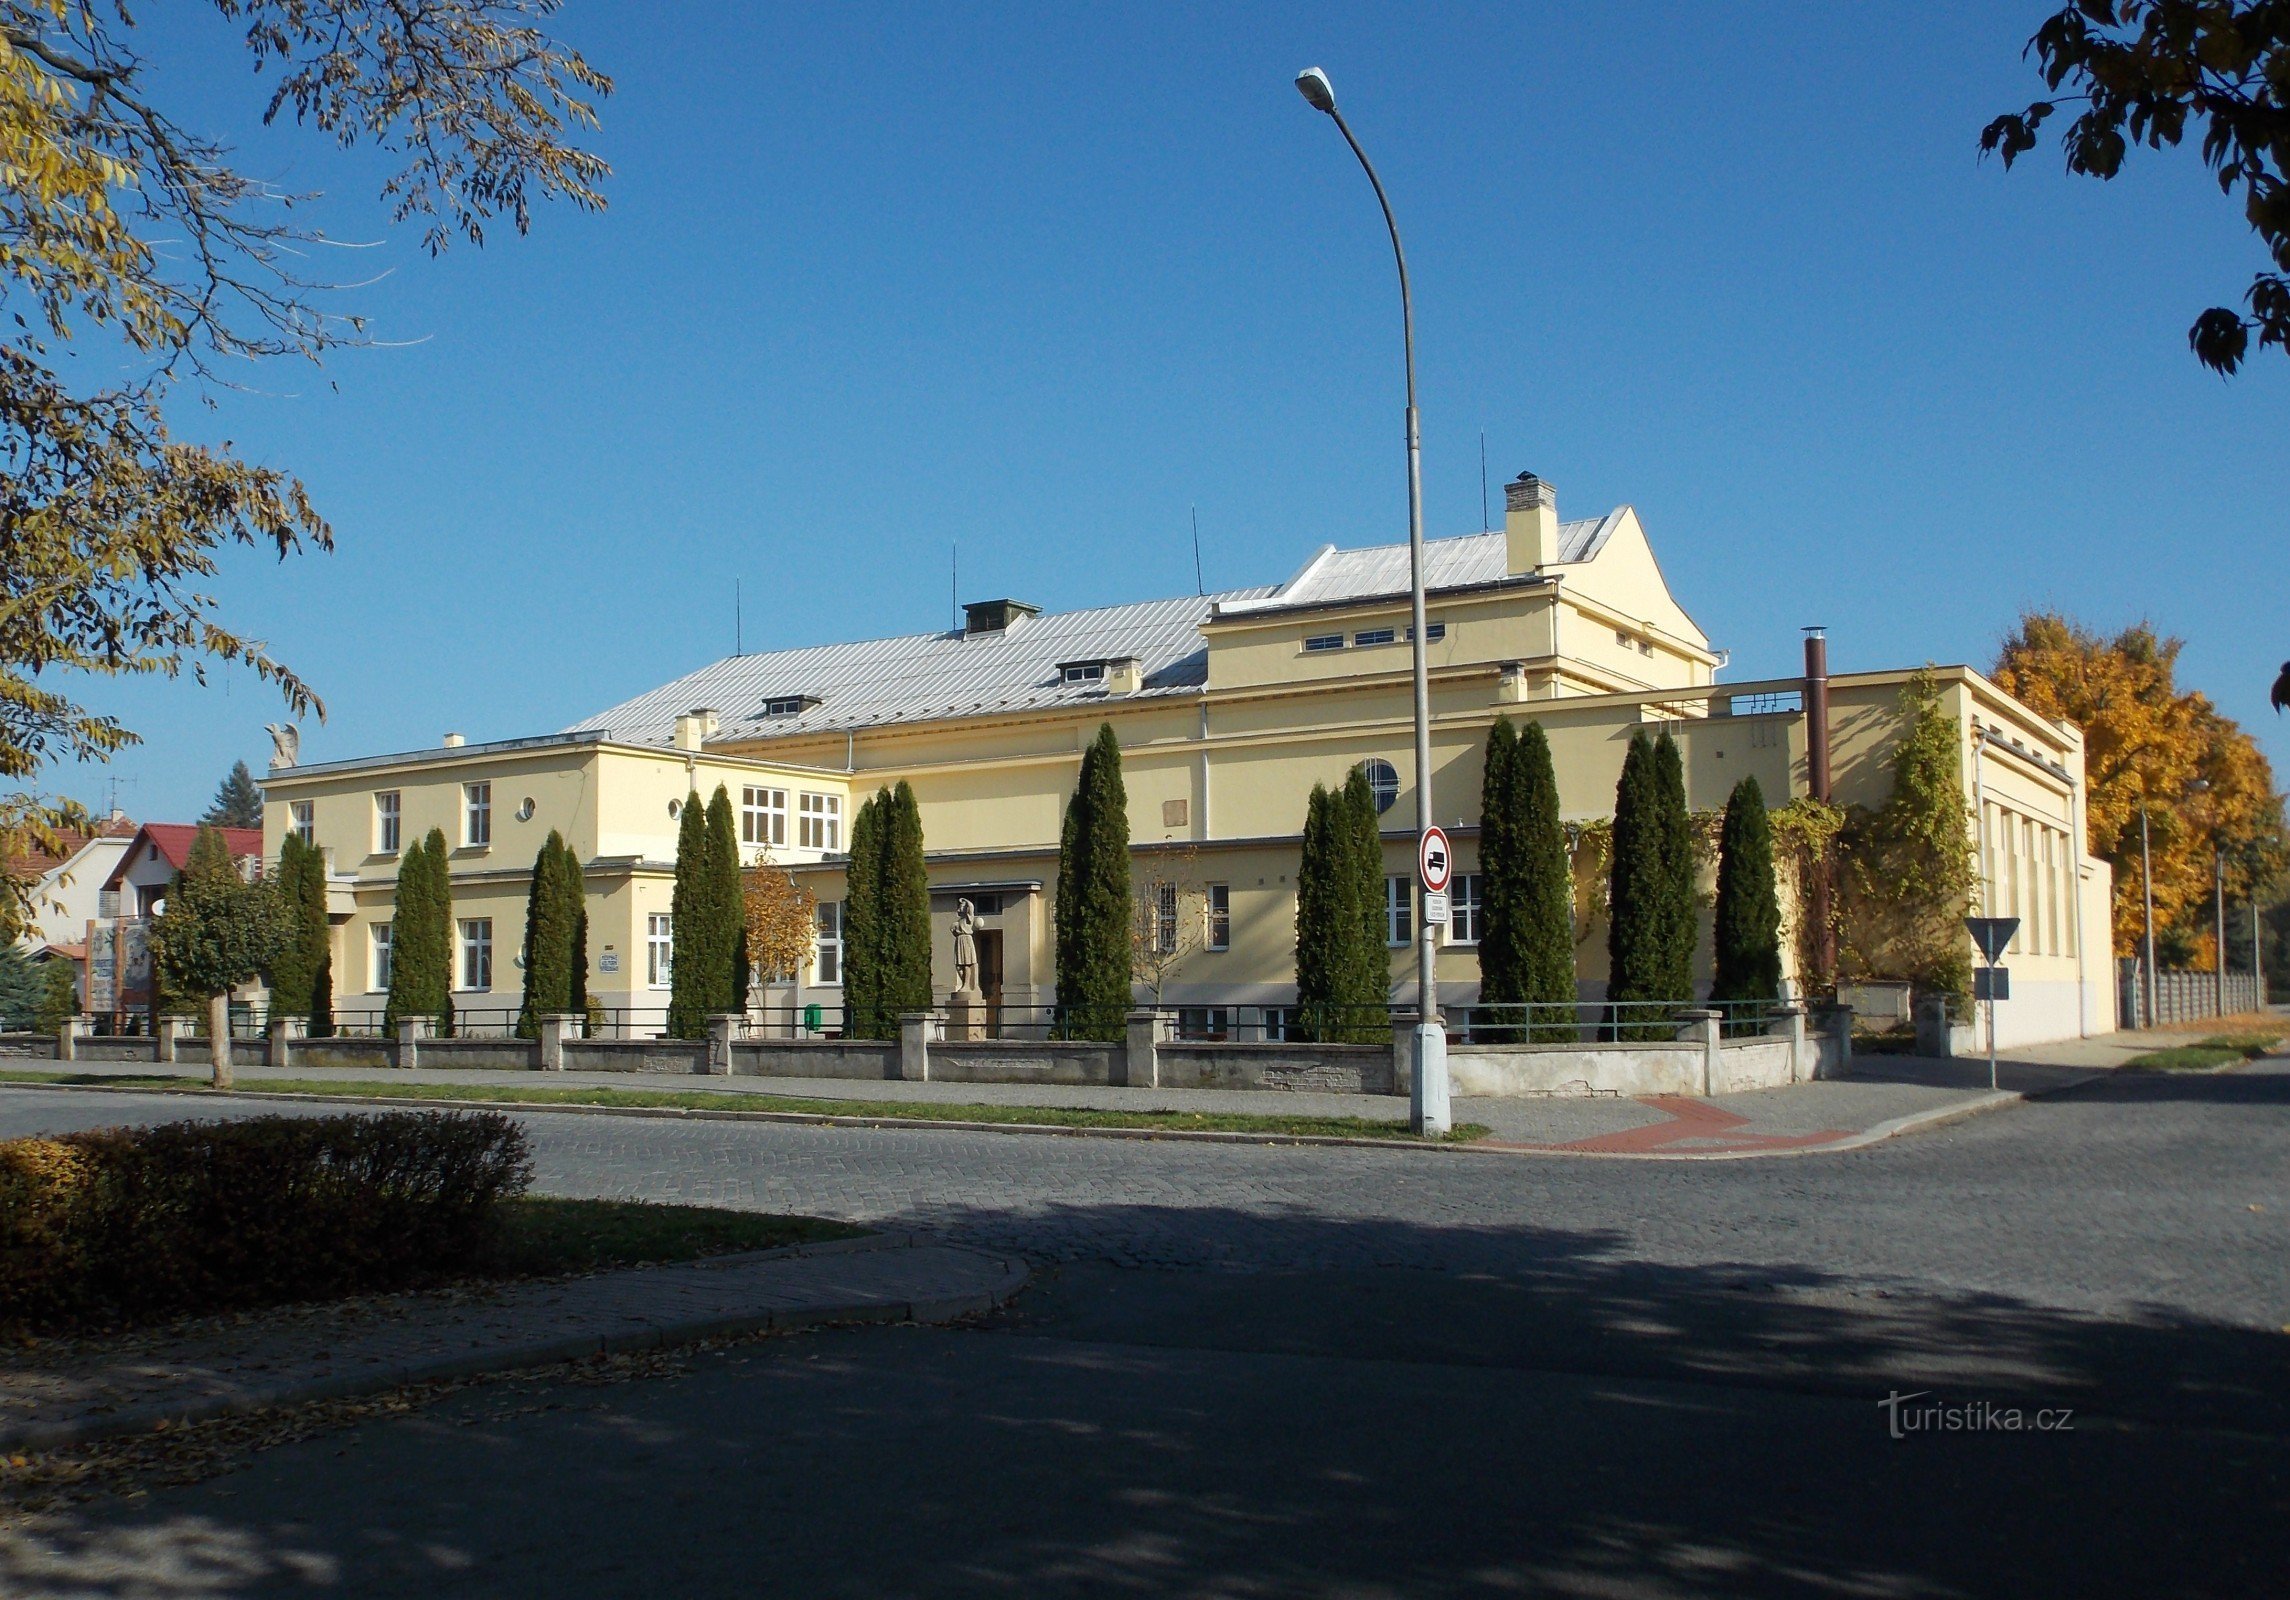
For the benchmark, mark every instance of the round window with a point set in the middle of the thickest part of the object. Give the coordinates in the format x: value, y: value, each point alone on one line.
x: 1383, y: 783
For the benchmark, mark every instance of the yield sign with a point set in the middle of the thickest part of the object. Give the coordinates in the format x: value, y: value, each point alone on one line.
x: 1991, y: 934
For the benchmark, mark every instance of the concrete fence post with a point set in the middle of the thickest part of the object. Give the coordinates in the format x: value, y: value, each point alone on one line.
x: 68, y: 1035
x: 723, y: 1028
x: 167, y: 1039
x: 914, y: 1046
x: 411, y: 1032
x: 283, y: 1031
x: 1704, y: 1028
x: 1789, y: 1023
x: 1934, y: 1036
x: 556, y: 1027
x: 1141, y: 1053
x: 1403, y: 1026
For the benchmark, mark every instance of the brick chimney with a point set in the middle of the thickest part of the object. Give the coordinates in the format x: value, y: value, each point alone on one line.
x: 1530, y: 524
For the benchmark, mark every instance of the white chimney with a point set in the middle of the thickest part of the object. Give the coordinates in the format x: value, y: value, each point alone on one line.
x: 694, y: 726
x: 454, y: 741
x: 1530, y: 524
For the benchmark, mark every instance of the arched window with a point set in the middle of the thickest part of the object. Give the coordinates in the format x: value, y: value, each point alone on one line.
x: 1383, y: 782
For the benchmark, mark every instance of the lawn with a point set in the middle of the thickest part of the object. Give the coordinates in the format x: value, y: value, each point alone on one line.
x: 2216, y: 1051
x: 728, y: 1100
x: 541, y: 1237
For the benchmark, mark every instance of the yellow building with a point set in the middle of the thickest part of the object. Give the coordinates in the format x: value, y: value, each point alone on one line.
x: 1228, y: 708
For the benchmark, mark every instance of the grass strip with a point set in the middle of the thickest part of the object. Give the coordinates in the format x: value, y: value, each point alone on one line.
x: 734, y: 1100
x: 2215, y: 1051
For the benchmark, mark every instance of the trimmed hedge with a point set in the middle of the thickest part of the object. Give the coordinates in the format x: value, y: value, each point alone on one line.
x: 127, y: 1223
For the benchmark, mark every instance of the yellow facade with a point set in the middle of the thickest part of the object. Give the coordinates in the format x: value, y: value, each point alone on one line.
x: 1217, y: 773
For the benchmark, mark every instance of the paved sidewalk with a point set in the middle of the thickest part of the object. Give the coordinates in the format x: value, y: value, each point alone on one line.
x: 63, y: 1391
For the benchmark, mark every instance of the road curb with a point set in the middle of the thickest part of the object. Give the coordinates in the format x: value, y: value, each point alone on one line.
x: 819, y: 1119
x: 1011, y: 1274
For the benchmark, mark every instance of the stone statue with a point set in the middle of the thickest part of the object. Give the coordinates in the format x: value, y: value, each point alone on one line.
x: 965, y: 947
x: 285, y: 744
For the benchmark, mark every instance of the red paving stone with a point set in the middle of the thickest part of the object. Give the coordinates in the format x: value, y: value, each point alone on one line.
x: 1695, y: 1126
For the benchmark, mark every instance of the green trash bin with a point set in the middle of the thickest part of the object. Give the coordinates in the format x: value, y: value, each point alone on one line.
x: 812, y: 1019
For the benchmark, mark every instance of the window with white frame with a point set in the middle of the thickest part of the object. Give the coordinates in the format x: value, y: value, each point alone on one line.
x: 819, y: 821
x: 476, y: 813
x: 1374, y: 636
x: 1399, y: 911
x: 305, y: 817
x: 1220, y: 916
x: 1463, y: 913
x: 477, y: 953
x: 762, y: 816
x: 659, y: 950
x: 1164, y: 919
x: 381, y: 958
x: 386, y: 822
x: 827, y: 965
x: 1324, y: 641
x: 1083, y: 672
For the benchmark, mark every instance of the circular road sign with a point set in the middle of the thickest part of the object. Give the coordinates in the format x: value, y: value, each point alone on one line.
x: 1434, y: 860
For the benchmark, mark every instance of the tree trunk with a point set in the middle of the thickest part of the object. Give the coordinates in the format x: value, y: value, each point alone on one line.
x: 219, y: 1036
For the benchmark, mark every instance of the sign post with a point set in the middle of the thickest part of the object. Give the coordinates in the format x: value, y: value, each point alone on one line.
x: 1992, y: 983
x: 1435, y: 869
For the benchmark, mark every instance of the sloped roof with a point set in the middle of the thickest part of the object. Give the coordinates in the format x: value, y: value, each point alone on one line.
x: 173, y: 841
x: 922, y: 677
x: 39, y: 863
x: 1337, y: 577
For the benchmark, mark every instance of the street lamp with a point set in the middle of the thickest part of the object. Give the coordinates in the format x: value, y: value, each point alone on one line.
x: 2147, y: 892
x: 1427, y: 1109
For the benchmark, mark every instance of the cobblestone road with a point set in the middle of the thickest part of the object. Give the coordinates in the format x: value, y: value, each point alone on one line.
x: 2164, y: 1194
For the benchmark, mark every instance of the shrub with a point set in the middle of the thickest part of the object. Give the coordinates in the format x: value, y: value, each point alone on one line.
x: 128, y: 1223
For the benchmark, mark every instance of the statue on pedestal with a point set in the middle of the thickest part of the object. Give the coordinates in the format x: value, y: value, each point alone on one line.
x: 965, y: 947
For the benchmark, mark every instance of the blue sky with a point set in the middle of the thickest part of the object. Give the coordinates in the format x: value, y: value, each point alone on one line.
x: 877, y: 281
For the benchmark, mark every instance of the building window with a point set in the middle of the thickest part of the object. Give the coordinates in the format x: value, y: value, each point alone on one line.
x: 1085, y: 672
x: 1203, y: 1022
x: 659, y: 950
x: 1399, y: 911
x: 381, y: 957
x: 1279, y: 1022
x: 476, y: 813
x: 305, y: 817
x: 1220, y: 916
x: 819, y: 821
x: 1383, y: 782
x: 783, y: 705
x: 1433, y: 632
x: 386, y: 822
x: 1164, y: 919
x: 1369, y: 636
x: 828, y: 965
x: 1324, y: 641
x: 477, y: 953
x: 1463, y: 909
x: 1622, y: 638
x: 763, y: 816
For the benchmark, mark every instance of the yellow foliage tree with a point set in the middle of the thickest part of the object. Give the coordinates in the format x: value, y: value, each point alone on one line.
x: 781, y: 922
x: 2203, y: 781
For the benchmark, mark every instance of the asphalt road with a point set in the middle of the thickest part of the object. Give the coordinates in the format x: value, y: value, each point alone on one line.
x: 1275, y: 1371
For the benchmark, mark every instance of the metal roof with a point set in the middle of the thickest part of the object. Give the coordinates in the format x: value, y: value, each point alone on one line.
x: 923, y: 677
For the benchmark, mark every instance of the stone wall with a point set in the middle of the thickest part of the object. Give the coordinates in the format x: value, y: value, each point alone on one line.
x: 1305, y: 1068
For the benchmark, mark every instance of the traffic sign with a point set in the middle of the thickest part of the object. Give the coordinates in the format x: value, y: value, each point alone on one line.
x: 1991, y: 983
x: 1991, y: 934
x: 1435, y: 908
x: 1434, y: 859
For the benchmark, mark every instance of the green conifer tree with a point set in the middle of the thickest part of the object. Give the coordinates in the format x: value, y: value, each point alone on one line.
x: 22, y: 984
x: 438, y: 946
x: 863, y: 947
x: 1093, y: 904
x: 1320, y: 919
x: 301, y: 880
x: 1679, y: 903
x: 551, y: 928
x: 1638, y: 889
x: 905, y: 908
x: 1502, y: 958
x: 695, y: 926
x: 58, y: 1000
x: 573, y: 891
x: 1747, y: 937
x: 1542, y: 888
x: 729, y: 899
x: 409, y: 994
x: 1366, y: 1015
x: 238, y: 801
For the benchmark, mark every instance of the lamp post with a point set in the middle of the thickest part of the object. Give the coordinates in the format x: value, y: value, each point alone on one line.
x: 2147, y: 892
x: 1427, y: 1108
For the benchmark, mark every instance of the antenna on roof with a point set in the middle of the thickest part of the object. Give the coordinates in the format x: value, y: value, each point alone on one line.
x: 1486, y: 523
x: 1198, y: 586
x: 739, y: 632
x: 954, y: 586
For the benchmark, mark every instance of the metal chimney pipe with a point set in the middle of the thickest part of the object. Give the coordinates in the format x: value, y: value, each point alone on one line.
x: 1817, y: 713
